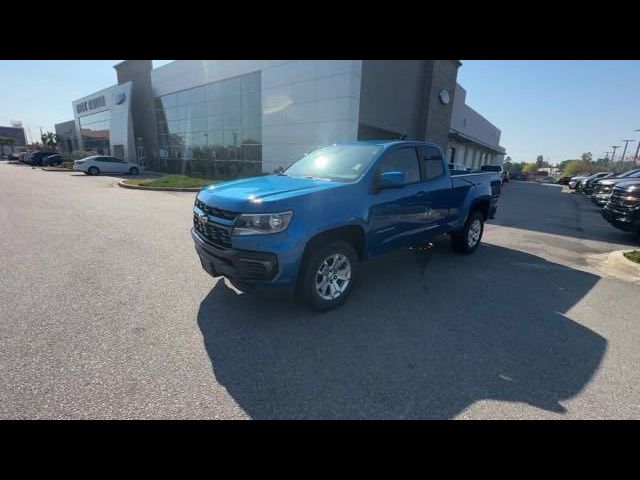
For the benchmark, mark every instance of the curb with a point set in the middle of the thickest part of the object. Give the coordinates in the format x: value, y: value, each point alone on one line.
x: 159, y: 189
x: 617, y: 265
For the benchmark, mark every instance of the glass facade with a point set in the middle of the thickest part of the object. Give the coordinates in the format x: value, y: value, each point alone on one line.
x: 213, y: 129
x: 94, y: 129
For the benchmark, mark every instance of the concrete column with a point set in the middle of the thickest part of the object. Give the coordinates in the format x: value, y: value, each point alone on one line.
x: 460, y: 153
x: 468, y: 156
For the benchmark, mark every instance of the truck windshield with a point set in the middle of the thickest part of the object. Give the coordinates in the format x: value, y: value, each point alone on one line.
x: 343, y: 163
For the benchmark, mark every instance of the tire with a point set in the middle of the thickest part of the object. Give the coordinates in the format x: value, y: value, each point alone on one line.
x: 466, y: 242
x: 134, y: 171
x: 322, y: 257
x: 93, y: 171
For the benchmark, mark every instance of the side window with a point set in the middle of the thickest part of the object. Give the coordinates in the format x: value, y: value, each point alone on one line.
x: 432, y: 161
x: 402, y: 160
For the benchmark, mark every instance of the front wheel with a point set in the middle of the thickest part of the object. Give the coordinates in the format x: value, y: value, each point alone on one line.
x: 93, y: 171
x: 328, y: 275
x: 134, y: 171
x: 467, y: 240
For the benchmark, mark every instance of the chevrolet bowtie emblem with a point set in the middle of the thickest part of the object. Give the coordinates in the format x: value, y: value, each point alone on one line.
x: 202, y: 219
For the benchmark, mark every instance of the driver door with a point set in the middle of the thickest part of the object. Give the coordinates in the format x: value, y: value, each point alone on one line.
x: 398, y: 216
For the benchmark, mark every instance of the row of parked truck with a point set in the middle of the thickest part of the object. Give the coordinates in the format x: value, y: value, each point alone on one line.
x: 618, y: 194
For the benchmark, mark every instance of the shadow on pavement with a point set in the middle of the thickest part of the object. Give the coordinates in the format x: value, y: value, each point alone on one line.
x: 424, y: 335
x: 549, y: 209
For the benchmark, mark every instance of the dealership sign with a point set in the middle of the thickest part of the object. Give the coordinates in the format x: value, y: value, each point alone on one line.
x: 91, y: 104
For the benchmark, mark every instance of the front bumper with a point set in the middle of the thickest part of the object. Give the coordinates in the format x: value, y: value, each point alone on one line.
x: 627, y: 221
x: 600, y: 199
x: 240, y: 266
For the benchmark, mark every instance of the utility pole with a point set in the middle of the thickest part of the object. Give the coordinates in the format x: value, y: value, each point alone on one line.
x: 615, y: 147
x: 626, y: 142
x: 635, y: 157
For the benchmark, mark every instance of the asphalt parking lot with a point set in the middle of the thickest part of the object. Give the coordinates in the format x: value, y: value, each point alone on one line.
x: 106, y: 313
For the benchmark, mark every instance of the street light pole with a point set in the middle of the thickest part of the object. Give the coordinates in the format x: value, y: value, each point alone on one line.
x: 626, y: 142
x: 635, y: 157
x: 615, y: 147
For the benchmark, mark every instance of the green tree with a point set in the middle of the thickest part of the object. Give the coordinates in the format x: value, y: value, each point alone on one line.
x: 587, y: 157
x: 576, y: 167
x: 530, y: 167
x: 507, y: 164
x: 563, y: 164
x: 49, y: 139
x: 540, y: 161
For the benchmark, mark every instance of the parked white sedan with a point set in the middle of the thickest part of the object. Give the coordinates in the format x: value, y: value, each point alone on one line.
x: 97, y: 164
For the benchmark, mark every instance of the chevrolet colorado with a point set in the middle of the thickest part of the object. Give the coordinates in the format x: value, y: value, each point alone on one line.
x: 307, y: 228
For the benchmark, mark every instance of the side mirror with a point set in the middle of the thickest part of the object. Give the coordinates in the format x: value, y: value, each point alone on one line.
x: 391, y: 180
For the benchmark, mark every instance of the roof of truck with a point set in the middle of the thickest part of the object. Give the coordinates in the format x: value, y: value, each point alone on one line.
x: 389, y: 143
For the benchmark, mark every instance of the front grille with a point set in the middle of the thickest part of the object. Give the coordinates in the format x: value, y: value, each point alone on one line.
x: 216, y: 212
x: 617, y: 200
x: 213, y: 233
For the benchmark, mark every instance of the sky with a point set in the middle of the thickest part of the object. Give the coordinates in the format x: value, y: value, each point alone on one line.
x: 558, y: 109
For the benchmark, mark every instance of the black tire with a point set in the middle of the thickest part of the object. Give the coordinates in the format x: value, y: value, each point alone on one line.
x: 134, y: 171
x: 310, y: 276
x: 93, y: 171
x: 461, y: 241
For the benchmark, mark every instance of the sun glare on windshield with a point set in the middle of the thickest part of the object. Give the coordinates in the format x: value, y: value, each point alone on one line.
x: 344, y: 163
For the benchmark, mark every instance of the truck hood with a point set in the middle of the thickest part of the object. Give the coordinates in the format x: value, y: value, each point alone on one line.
x: 258, y: 193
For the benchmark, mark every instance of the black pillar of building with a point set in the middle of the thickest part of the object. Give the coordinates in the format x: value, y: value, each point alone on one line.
x: 435, y: 115
x: 401, y: 99
x: 142, y: 106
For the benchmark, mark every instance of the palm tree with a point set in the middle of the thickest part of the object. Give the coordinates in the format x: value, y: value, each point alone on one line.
x: 49, y: 139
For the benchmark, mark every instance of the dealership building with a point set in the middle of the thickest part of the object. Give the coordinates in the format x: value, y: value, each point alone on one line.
x: 221, y: 117
x: 15, y: 133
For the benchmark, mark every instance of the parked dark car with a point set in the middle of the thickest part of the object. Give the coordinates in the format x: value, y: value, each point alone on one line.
x: 586, y: 186
x: 55, y: 159
x: 603, y: 188
x: 623, y: 208
x: 564, y: 180
x: 580, y: 184
x: 36, y: 158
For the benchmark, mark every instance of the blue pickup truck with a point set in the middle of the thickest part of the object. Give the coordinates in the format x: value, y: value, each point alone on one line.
x: 307, y: 228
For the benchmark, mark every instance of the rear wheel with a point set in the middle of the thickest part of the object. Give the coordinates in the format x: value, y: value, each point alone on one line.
x: 328, y: 275
x: 467, y: 240
x: 134, y: 171
x: 93, y: 171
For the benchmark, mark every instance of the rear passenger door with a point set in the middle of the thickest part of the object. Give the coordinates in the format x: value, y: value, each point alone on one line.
x: 398, y: 215
x: 119, y: 166
x: 438, y: 189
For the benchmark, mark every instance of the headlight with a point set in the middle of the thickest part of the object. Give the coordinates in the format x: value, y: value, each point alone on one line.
x: 259, y: 223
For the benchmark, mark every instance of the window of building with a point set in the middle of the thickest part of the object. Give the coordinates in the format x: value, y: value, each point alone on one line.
x: 452, y: 155
x: 94, y: 130
x: 220, y: 122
